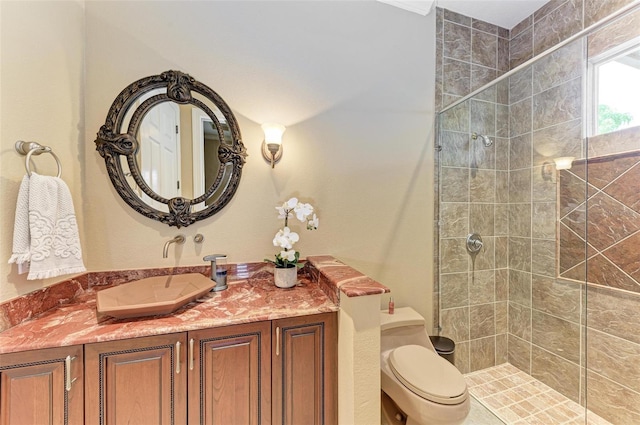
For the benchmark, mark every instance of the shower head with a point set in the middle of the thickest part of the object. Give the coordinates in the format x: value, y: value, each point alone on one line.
x: 486, y: 141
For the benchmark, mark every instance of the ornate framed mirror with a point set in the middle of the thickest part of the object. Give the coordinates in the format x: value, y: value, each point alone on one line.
x: 172, y: 148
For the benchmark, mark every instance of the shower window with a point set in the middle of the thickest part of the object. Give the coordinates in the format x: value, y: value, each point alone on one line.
x: 615, y: 91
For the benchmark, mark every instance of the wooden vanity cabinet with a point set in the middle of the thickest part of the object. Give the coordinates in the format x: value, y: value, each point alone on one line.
x: 281, y: 372
x: 304, y: 370
x: 136, y: 381
x: 230, y: 375
x: 42, y: 387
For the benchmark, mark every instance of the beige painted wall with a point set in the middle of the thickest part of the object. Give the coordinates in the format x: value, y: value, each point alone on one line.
x: 352, y: 81
x: 41, y: 98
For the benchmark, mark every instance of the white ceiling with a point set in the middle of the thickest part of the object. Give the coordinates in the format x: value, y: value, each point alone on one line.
x: 504, y: 13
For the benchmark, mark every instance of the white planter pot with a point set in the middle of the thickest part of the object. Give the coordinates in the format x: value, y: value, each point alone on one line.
x: 286, y: 278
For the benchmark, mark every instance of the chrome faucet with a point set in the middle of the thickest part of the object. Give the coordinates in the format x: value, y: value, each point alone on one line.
x: 178, y: 240
x: 218, y: 271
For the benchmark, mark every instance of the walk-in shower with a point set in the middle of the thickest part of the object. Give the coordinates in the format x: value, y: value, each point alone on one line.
x: 553, y: 288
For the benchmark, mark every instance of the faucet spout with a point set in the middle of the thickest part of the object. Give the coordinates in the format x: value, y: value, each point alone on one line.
x: 177, y: 240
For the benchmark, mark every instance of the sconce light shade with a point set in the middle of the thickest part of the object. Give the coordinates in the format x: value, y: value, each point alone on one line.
x: 272, y: 144
x: 564, y: 162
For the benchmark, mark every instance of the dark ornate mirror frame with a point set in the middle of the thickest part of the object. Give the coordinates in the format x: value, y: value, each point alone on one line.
x: 111, y: 144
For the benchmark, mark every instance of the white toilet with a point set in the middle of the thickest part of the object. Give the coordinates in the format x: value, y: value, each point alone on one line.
x: 418, y: 386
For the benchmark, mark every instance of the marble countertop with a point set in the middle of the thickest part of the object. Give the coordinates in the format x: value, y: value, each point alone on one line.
x: 247, y: 300
x: 65, y: 313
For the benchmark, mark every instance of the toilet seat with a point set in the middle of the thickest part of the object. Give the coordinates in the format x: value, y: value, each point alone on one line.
x: 426, y: 374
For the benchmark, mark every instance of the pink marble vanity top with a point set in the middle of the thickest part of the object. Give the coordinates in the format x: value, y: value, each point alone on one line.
x: 66, y: 313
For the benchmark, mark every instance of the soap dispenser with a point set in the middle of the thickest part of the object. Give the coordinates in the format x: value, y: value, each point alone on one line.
x: 218, y: 271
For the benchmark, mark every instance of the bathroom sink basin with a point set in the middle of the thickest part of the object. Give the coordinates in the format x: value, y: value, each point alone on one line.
x: 153, y: 295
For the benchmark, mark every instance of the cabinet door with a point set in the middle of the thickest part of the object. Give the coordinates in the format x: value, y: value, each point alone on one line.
x: 230, y: 375
x: 42, y: 387
x: 136, y: 381
x: 304, y: 384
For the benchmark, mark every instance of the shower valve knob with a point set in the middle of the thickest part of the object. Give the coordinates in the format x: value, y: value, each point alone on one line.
x: 474, y: 243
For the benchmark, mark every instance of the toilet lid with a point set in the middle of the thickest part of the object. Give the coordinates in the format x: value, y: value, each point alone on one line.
x: 428, y: 375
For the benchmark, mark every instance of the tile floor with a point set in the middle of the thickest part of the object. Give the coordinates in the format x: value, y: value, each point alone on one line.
x: 518, y: 399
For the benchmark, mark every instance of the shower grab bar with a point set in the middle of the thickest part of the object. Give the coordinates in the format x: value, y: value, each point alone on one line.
x: 34, y: 148
x: 631, y: 7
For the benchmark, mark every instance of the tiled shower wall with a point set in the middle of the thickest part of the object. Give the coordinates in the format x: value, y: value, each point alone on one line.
x: 516, y: 294
x: 473, y: 299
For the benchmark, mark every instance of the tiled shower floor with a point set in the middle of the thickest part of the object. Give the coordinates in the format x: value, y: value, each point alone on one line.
x: 518, y: 399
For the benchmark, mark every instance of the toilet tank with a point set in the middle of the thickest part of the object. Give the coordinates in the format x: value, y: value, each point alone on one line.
x: 404, y: 316
x: 406, y: 326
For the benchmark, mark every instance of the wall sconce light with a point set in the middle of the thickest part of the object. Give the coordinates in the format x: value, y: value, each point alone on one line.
x: 272, y: 144
x: 547, y: 171
x: 564, y: 162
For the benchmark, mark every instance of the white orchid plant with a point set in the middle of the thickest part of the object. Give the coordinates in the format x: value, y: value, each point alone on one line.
x: 285, y: 238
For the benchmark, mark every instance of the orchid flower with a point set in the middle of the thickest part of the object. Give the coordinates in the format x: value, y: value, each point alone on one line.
x: 288, y: 255
x: 303, y: 211
x: 313, y: 223
x: 285, y: 238
x: 286, y: 208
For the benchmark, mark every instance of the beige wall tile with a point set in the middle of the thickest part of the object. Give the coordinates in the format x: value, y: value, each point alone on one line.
x: 614, y: 312
x: 520, y: 186
x: 453, y: 255
x: 481, y: 217
x: 455, y: 149
x: 559, y: 104
x: 482, y: 287
x: 560, y: 298
x: 454, y: 184
x: 454, y: 217
x: 454, y: 290
x: 502, y: 321
x: 520, y: 287
x: 520, y: 321
x: 560, y: 66
x: 520, y: 85
x: 502, y: 355
x: 455, y: 323
x: 556, y: 335
x: 457, y: 77
x: 520, y: 120
x: 481, y: 321
x: 519, y: 353
x: 462, y: 355
x: 520, y: 152
x: 557, y: 26
x: 520, y: 220
x: 611, y: 401
x: 482, y: 186
x: 457, y: 41
x: 558, y: 373
x: 520, y: 47
x: 614, y: 358
x: 520, y: 254
x: 484, y: 49
x: 482, y: 353
x: 543, y: 257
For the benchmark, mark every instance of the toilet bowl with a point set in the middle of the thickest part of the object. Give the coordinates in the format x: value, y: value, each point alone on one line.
x: 422, y: 387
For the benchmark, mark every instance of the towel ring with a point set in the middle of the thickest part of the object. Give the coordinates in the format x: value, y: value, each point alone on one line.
x: 34, y: 148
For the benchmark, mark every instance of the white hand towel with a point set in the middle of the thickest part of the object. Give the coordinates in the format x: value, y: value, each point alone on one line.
x: 45, y: 230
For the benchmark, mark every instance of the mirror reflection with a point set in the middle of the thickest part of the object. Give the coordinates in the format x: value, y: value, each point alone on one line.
x: 179, y: 149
